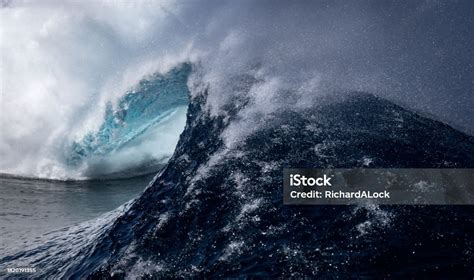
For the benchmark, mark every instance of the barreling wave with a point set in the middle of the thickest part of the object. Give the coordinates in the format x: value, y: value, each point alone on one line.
x: 139, y: 135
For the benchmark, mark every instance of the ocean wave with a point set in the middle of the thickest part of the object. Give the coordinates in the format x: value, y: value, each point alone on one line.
x: 272, y: 86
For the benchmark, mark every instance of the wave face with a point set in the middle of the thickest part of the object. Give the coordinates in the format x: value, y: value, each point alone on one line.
x: 140, y: 133
x: 216, y: 210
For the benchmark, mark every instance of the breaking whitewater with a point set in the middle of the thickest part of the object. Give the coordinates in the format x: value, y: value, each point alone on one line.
x: 216, y: 208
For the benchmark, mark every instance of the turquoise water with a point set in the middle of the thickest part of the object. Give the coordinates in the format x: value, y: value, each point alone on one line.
x: 154, y: 110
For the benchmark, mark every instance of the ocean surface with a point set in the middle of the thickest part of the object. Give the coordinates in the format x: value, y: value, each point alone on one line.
x: 31, y: 208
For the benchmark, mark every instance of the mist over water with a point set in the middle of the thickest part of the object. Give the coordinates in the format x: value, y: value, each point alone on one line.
x: 63, y: 62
